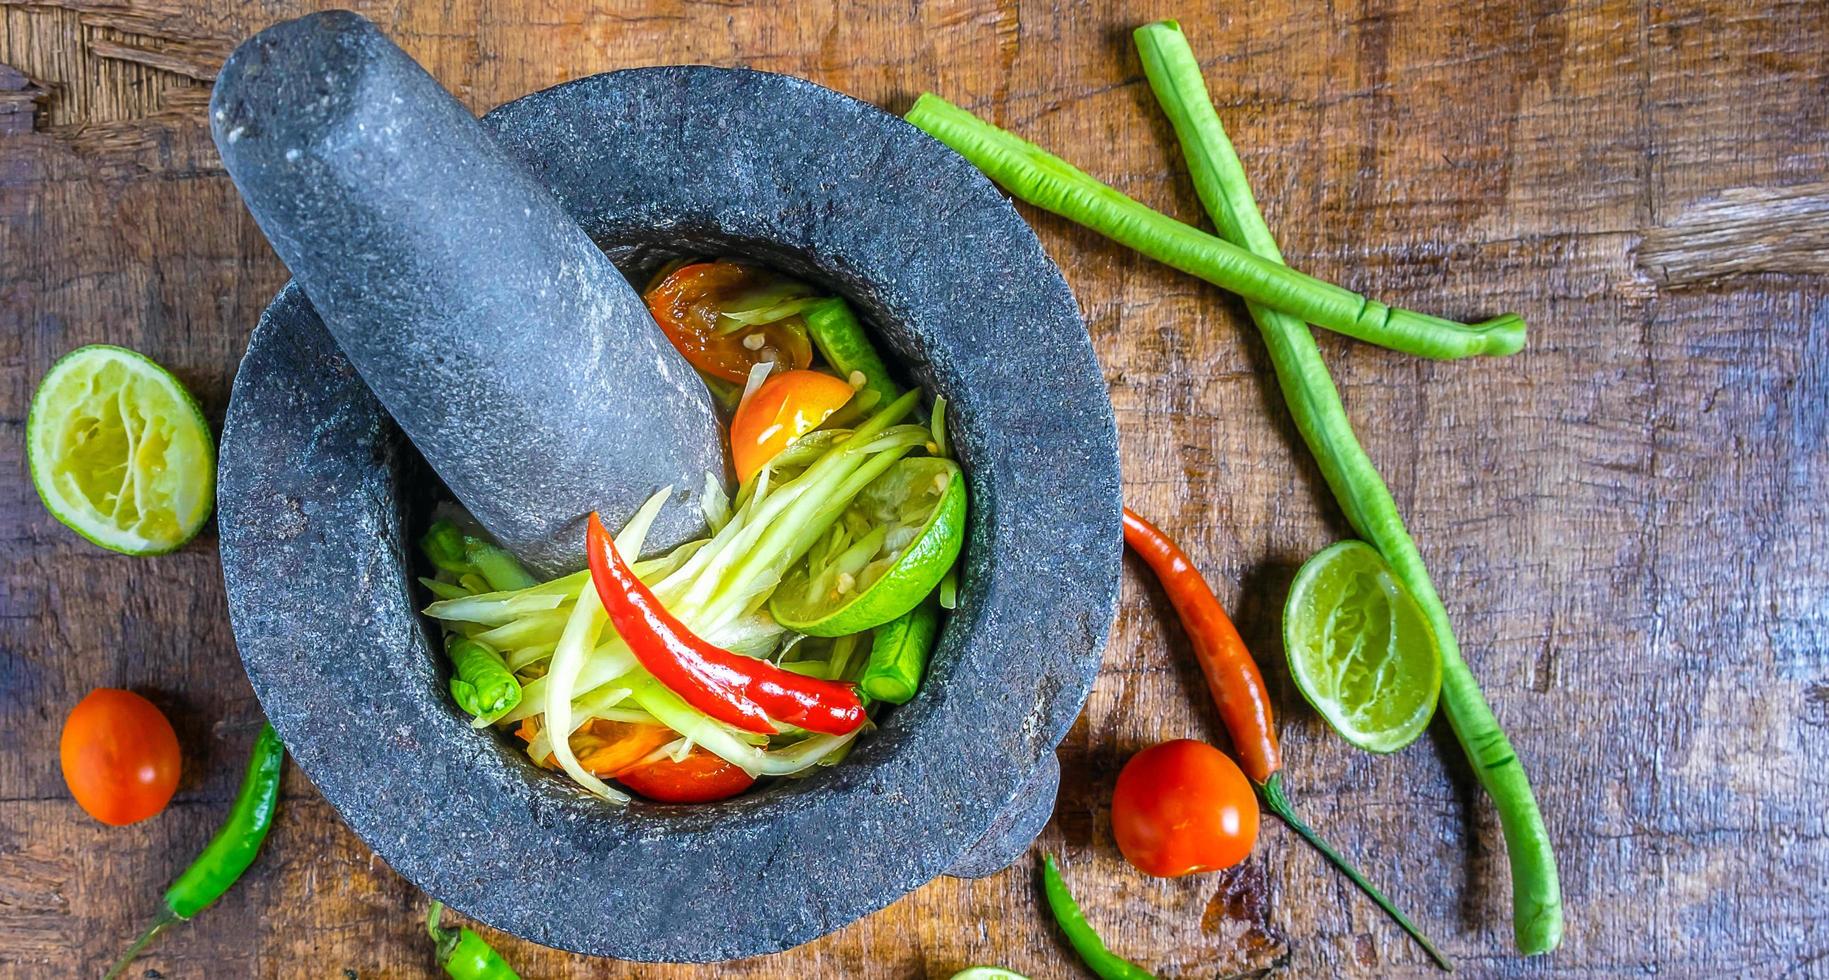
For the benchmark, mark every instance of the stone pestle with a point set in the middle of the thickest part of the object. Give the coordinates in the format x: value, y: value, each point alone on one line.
x: 505, y: 344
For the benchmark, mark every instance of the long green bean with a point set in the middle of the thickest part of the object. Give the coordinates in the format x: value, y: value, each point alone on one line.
x: 898, y: 654
x: 841, y: 340
x: 1050, y: 183
x: 1314, y: 402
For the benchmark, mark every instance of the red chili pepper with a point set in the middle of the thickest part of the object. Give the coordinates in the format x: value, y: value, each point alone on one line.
x: 1232, y: 676
x: 1244, y: 703
x: 730, y: 687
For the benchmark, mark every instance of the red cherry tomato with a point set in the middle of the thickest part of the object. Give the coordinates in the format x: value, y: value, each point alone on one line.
x: 1182, y: 807
x: 687, y: 305
x: 787, y: 406
x: 699, y: 778
x: 120, y: 756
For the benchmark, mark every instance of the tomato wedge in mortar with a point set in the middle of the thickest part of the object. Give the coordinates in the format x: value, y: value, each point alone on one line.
x: 787, y: 406
x: 700, y: 777
x: 726, y: 318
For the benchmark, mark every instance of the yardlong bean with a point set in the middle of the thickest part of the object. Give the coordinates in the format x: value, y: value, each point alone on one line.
x: 1048, y: 182
x: 1314, y: 402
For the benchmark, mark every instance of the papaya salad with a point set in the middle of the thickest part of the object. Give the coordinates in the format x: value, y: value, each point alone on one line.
x: 765, y: 648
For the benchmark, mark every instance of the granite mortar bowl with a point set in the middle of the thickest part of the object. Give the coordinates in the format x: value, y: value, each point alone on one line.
x: 321, y: 498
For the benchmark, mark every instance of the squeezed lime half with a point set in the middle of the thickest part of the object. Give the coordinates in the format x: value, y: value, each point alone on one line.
x: 120, y: 452
x: 887, y: 553
x: 1360, y: 648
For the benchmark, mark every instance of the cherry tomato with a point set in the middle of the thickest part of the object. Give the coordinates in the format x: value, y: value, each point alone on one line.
x: 120, y: 756
x: 687, y: 305
x: 787, y: 406
x: 699, y: 778
x: 1182, y: 807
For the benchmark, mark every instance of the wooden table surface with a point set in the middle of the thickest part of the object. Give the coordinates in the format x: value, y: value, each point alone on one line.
x: 1626, y: 520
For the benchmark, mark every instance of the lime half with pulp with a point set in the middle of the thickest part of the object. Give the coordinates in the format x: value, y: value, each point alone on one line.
x: 883, y: 556
x: 119, y: 451
x: 1361, y: 649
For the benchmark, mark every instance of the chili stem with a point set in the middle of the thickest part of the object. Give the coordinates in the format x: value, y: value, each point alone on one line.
x: 1277, y: 802
x: 1314, y: 402
x: 1050, y: 183
x: 166, y: 918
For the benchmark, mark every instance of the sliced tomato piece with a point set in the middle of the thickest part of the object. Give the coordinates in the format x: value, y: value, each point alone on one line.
x: 698, y: 778
x: 689, y: 305
x: 787, y: 406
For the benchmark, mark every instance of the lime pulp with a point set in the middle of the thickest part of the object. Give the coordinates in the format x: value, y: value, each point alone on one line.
x: 887, y: 553
x: 1360, y: 648
x: 120, y: 452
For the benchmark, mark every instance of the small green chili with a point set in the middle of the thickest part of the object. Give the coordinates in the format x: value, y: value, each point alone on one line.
x: 464, y: 954
x: 481, y: 682
x: 443, y: 545
x: 230, y: 852
x: 1079, y: 932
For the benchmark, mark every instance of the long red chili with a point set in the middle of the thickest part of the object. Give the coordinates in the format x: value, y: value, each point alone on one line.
x: 1232, y: 676
x: 730, y: 687
x: 1244, y: 703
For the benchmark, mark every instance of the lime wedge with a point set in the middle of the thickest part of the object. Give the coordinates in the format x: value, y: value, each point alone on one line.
x: 987, y: 973
x: 887, y: 553
x: 1360, y: 649
x: 119, y: 451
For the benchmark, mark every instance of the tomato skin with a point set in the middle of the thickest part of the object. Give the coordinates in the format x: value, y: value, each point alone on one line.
x: 786, y: 406
x: 120, y: 756
x: 699, y: 778
x: 1183, y: 807
x: 686, y: 304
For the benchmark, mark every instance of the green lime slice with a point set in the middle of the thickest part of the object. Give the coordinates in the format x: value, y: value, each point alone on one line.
x: 987, y: 973
x: 887, y: 553
x: 1360, y: 649
x: 119, y: 451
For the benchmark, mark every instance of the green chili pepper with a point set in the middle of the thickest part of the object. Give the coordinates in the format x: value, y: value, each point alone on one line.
x: 497, y: 566
x: 898, y: 654
x: 1314, y: 404
x: 481, y: 682
x: 443, y: 544
x: 229, y: 853
x: 464, y: 954
x: 1085, y: 941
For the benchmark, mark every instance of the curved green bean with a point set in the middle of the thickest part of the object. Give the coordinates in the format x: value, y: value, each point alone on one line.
x: 898, y: 654
x: 1314, y: 402
x: 1050, y: 183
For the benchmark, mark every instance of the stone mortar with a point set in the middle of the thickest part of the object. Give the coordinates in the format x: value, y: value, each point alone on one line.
x: 320, y: 497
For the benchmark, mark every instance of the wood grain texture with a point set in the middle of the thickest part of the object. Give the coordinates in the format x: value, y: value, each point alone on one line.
x: 1626, y: 520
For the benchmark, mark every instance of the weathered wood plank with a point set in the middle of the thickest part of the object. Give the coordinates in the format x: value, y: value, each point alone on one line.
x: 1626, y: 520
